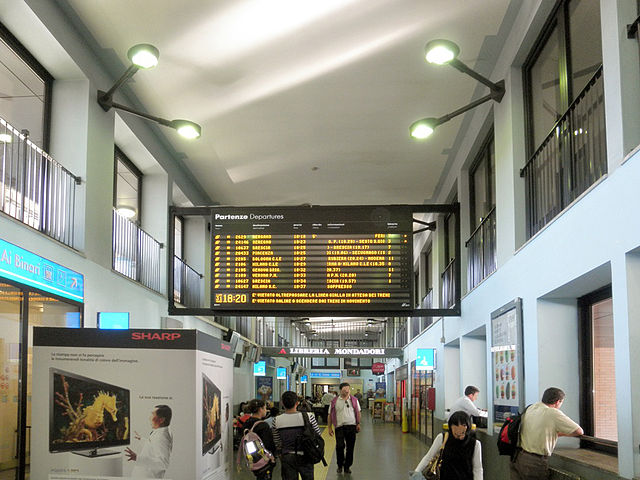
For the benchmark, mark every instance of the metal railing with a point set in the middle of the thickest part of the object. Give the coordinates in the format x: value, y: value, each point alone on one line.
x: 427, y: 302
x: 34, y: 188
x: 186, y: 284
x: 482, y: 250
x: 569, y: 160
x: 136, y: 254
x: 449, y: 285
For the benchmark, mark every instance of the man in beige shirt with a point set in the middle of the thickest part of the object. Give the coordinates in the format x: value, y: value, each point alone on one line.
x: 542, y: 424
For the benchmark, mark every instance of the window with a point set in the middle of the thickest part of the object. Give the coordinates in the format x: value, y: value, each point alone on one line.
x: 481, y: 246
x: 597, y: 372
x: 25, y: 91
x: 178, y: 238
x: 127, y: 187
x: 564, y: 100
x: 482, y: 184
x: 568, y: 54
x: 358, y: 361
x: 428, y: 281
x: 325, y: 362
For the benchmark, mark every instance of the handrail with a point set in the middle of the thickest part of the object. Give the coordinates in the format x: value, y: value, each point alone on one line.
x: 577, y: 100
x: 451, y: 262
x: 24, y: 136
x: 188, y: 266
x: 484, y: 220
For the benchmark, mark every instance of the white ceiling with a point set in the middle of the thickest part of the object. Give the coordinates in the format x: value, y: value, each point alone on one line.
x: 302, y: 101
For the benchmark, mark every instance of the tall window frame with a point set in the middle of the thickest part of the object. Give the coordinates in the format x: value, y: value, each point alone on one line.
x: 587, y: 357
x: 32, y: 63
x: 486, y: 159
x: 559, y: 23
x: 121, y: 159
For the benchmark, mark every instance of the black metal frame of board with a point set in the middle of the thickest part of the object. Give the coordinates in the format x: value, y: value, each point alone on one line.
x: 205, y: 212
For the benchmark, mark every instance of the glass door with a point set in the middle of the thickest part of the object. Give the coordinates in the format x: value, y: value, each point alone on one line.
x: 11, y: 299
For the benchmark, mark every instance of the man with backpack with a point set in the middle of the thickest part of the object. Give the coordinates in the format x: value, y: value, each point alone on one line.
x: 288, y: 428
x: 344, y: 415
x: 540, y: 427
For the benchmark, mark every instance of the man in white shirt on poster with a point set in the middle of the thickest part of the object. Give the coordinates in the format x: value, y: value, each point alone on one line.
x: 153, y: 459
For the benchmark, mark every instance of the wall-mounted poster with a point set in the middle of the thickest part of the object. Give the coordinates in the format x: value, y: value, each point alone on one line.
x: 130, y: 404
x: 264, y: 388
x: 507, y: 364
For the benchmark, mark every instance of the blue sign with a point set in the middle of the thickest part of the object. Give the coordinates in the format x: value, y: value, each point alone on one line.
x: 426, y: 359
x: 304, y: 379
x: 29, y: 269
x: 281, y: 373
x: 325, y: 374
x: 113, y: 320
x: 260, y: 369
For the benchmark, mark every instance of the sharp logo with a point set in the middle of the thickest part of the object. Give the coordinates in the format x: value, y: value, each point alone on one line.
x: 155, y: 336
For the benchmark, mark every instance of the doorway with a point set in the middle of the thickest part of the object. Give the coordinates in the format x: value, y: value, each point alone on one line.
x: 21, y: 309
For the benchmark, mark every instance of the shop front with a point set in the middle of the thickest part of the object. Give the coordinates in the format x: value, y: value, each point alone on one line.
x: 34, y: 292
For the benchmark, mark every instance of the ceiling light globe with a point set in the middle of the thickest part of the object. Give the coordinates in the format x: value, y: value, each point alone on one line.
x: 187, y: 129
x: 126, y: 211
x: 143, y: 55
x: 440, y: 52
x: 422, y: 128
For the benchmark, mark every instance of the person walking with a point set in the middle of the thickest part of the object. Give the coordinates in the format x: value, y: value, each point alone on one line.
x: 258, y: 411
x: 344, y: 415
x: 541, y: 425
x: 462, y: 453
x: 326, y: 401
x: 286, y: 429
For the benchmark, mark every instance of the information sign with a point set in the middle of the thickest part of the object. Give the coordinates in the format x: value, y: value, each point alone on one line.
x: 426, y: 359
x: 281, y: 373
x: 331, y: 258
x: 260, y: 369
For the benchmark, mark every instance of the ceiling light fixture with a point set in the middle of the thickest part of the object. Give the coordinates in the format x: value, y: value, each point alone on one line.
x: 126, y: 211
x: 5, y: 138
x: 445, y: 52
x: 144, y: 56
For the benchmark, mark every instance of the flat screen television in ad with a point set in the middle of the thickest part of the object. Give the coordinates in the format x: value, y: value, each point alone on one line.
x: 211, y: 412
x: 86, y: 415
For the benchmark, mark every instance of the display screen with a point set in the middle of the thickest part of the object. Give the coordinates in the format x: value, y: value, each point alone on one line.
x: 86, y: 414
x: 211, y: 412
x: 301, y: 258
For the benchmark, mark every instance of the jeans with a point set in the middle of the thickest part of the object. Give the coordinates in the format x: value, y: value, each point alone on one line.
x: 293, y: 464
x: 345, y: 437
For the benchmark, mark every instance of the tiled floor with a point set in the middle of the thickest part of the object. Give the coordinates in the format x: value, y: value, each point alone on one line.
x: 382, y: 452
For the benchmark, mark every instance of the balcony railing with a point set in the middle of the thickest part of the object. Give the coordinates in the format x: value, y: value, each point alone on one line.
x: 449, y: 285
x: 569, y: 160
x: 482, y: 250
x: 186, y: 284
x: 34, y: 188
x: 136, y: 254
x: 427, y: 302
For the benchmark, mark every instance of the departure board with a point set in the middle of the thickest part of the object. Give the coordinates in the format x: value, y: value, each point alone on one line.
x: 303, y: 258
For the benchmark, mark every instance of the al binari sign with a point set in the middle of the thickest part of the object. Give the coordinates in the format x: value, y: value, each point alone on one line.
x: 331, y: 352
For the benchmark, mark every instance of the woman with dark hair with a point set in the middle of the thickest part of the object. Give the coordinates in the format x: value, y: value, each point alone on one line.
x: 258, y: 411
x: 462, y: 453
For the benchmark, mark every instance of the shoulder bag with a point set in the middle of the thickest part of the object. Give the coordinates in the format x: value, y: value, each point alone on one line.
x: 432, y: 470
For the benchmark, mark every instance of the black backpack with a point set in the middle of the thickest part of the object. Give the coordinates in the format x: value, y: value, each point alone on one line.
x: 509, y: 435
x: 310, y: 443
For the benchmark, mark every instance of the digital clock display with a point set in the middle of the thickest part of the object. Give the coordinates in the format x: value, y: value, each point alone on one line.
x: 301, y: 258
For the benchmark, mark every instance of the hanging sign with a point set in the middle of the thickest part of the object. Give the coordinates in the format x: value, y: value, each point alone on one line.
x: 32, y: 270
x: 377, y: 368
x: 425, y: 359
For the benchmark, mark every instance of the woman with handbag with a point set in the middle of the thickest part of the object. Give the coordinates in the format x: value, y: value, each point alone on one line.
x: 454, y: 455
